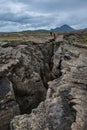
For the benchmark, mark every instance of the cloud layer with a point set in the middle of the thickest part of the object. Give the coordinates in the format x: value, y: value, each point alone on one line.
x: 18, y: 15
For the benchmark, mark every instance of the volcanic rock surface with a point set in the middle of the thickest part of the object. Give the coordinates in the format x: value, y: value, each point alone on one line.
x: 52, y: 76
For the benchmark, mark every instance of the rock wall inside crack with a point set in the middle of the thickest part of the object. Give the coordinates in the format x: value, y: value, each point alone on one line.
x: 65, y: 104
x: 27, y: 66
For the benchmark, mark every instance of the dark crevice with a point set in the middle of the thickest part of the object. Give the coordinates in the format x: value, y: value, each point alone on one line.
x: 51, y: 57
x: 43, y: 78
x: 73, y: 111
x: 29, y: 103
x: 59, y: 68
x: 46, y: 75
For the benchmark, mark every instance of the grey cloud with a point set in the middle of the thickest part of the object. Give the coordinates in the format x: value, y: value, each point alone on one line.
x: 55, y: 5
x: 34, y: 14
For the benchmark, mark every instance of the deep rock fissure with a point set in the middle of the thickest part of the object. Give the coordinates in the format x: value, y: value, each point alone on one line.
x: 57, y: 101
x: 45, y: 74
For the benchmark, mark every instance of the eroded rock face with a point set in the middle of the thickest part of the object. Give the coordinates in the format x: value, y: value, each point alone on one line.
x: 65, y: 104
x: 8, y: 106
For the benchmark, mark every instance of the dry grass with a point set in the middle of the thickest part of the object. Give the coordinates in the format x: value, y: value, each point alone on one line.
x: 25, y: 36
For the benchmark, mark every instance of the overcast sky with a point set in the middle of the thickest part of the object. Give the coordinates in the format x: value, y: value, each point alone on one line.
x: 18, y: 15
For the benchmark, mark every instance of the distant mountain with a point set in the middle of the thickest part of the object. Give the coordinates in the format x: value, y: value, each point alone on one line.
x: 63, y: 28
x: 58, y: 29
x: 85, y: 29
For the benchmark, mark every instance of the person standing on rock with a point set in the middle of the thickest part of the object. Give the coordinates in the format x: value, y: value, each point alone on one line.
x: 54, y: 35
